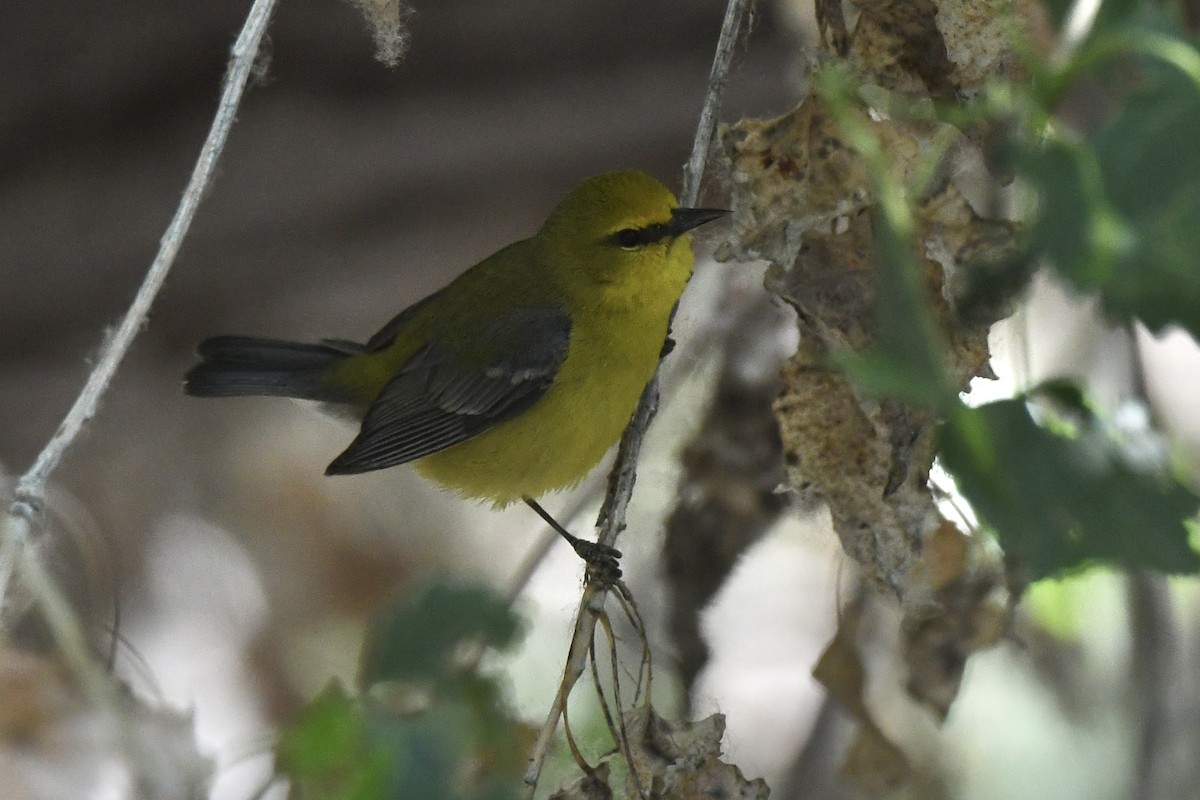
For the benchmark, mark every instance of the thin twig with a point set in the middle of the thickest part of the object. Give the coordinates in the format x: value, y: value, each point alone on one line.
x: 735, y: 14
x: 590, y: 604
x: 598, y: 685
x: 621, y: 734
x: 646, y: 666
x: 1153, y: 674
x: 1154, y: 654
x: 30, y: 494
x: 623, y: 475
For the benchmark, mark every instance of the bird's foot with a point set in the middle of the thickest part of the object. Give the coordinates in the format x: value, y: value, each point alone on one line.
x: 603, y: 562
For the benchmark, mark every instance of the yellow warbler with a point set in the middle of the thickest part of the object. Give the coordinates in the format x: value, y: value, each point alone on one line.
x: 518, y: 376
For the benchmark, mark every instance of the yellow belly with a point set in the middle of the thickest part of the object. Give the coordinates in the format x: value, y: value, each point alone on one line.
x: 556, y: 442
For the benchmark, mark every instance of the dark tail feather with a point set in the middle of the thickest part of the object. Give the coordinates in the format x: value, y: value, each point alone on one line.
x: 235, y: 366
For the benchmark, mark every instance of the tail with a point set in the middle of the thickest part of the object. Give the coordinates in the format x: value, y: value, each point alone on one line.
x: 236, y: 366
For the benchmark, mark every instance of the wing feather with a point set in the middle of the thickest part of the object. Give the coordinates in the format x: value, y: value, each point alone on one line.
x: 438, y: 400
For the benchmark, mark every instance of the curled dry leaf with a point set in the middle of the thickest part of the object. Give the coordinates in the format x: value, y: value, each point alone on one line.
x: 899, y: 46
x: 803, y: 200
x: 873, y: 762
x: 831, y: 25
x: 944, y: 49
x: 590, y: 786
x: 840, y: 669
x: 682, y: 760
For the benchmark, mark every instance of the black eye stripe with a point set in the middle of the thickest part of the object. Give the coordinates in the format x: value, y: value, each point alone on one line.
x: 628, y: 237
x: 639, y: 237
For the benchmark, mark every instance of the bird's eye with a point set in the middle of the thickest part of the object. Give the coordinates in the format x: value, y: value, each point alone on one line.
x: 628, y: 238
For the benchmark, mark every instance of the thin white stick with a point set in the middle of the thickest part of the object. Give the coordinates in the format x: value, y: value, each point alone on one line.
x: 591, y: 604
x: 623, y: 474
x: 1076, y: 27
x: 735, y: 13
x: 30, y: 493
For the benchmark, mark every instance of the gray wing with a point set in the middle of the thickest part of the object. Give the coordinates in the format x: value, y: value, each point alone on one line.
x: 436, y: 402
x: 387, y: 334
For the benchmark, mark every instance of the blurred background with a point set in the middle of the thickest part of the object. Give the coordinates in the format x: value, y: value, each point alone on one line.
x: 348, y: 191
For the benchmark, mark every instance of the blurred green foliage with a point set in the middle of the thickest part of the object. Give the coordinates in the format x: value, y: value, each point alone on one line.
x: 417, y: 641
x: 1116, y: 216
x: 425, y: 724
x: 1111, y: 12
x: 1058, y: 502
x: 328, y: 753
x: 905, y: 361
x: 1118, y: 209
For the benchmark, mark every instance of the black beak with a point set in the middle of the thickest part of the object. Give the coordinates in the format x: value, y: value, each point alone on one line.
x: 684, y: 219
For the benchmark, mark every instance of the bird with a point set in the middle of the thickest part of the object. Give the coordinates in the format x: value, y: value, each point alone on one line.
x: 514, y: 379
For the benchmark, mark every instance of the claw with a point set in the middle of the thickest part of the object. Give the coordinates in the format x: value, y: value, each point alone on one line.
x: 603, y: 562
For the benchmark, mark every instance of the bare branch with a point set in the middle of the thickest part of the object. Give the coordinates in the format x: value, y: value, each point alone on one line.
x: 30, y: 493
x: 624, y: 473
x: 735, y: 14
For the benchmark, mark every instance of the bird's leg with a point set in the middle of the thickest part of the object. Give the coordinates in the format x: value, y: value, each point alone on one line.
x: 602, y: 560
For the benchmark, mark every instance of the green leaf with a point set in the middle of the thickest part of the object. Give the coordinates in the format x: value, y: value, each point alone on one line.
x: 1150, y: 161
x: 1061, y: 230
x: 461, y: 747
x: 1118, y: 213
x: 905, y: 360
x: 427, y: 728
x: 884, y: 374
x: 906, y: 336
x: 1057, y: 503
x: 456, y: 750
x: 327, y: 753
x: 1066, y: 393
x: 416, y: 641
x: 906, y: 357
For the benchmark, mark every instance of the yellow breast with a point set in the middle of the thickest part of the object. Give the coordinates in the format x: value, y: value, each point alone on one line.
x: 595, y: 393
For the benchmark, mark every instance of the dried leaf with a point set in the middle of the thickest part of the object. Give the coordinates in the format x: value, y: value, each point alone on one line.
x: 943, y: 557
x: 840, y: 669
x: 682, y: 760
x: 831, y: 24
x: 874, y: 764
x: 897, y: 45
x: 803, y: 199
x: 593, y: 786
x: 978, y: 37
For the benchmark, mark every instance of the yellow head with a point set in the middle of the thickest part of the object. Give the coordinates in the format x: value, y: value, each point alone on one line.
x: 619, y: 237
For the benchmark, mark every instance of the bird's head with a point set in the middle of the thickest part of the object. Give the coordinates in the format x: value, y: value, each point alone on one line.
x: 625, y: 232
